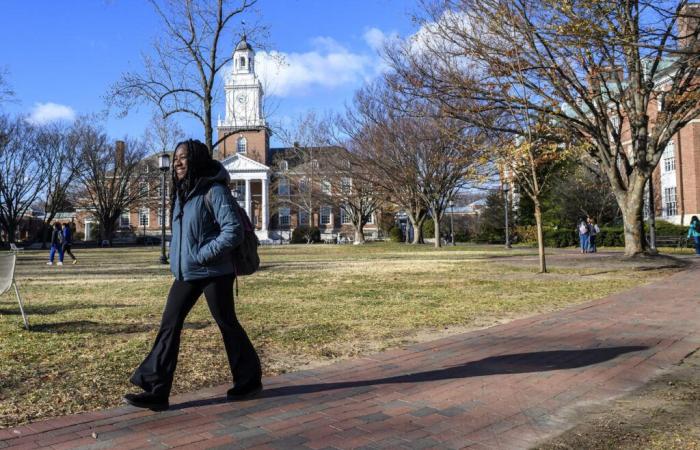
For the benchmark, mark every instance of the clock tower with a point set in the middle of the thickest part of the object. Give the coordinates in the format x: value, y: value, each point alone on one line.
x: 244, y: 126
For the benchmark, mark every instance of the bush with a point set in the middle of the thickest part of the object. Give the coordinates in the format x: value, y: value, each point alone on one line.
x: 664, y: 228
x: 305, y: 235
x: 610, y: 237
x: 395, y: 234
x: 429, y: 228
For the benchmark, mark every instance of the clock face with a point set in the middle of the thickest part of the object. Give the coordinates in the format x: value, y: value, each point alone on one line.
x: 242, y: 98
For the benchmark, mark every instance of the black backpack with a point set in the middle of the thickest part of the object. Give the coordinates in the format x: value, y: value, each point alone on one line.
x: 244, y: 257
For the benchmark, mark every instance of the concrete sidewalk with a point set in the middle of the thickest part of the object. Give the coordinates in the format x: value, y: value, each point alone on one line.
x: 509, y: 386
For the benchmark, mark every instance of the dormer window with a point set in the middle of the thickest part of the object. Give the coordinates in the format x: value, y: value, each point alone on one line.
x: 242, y: 145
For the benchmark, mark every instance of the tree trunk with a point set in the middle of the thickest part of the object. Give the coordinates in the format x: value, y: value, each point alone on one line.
x: 417, y: 230
x: 359, y: 235
x: 540, y: 237
x: 208, y: 130
x: 438, y: 240
x: 11, y: 229
x: 632, y: 204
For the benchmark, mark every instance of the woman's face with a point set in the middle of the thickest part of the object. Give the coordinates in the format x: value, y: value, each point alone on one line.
x: 180, y: 162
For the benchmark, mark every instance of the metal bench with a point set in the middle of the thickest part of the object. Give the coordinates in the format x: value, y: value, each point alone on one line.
x: 14, y: 248
x: 7, y: 280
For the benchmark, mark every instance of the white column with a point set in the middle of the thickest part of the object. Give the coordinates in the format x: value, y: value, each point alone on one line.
x: 265, y: 213
x: 247, y: 198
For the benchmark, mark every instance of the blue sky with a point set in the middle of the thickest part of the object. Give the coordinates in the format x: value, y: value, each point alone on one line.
x: 63, y: 55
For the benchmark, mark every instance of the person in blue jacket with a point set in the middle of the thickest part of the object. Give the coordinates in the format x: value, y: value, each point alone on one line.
x: 67, y: 242
x: 204, y: 228
x: 694, y: 232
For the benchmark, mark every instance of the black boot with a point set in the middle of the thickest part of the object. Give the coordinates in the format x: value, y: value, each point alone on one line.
x: 247, y: 390
x: 147, y: 401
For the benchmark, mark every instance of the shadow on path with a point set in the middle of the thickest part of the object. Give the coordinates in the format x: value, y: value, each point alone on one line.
x: 493, y: 365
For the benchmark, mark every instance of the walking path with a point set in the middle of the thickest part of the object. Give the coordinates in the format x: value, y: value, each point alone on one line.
x: 509, y: 386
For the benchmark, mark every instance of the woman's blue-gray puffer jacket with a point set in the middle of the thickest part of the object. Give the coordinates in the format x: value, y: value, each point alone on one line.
x: 202, y: 234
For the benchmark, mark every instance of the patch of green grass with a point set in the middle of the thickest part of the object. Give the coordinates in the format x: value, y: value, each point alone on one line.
x: 94, y: 322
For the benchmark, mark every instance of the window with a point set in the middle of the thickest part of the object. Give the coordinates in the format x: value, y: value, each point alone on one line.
x: 344, y: 216
x: 284, y: 217
x: 669, y: 158
x: 325, y: 215
x: 160, y: 216
x: 660, y: 101
x: 304, y: 185
x: 670, y: 205
x: 314, y: 164
x: 346, y: 185
x: 159, y: 191
x: 303, y: 217
x: 143, y: 189
x: 370, y: 219
x: 241, y: 145
x: 124, y: 219
x: 242, y: 62
x: 326, y: 187
x: 284, y: 165
x: 144, y: 216
x: 283, y: 187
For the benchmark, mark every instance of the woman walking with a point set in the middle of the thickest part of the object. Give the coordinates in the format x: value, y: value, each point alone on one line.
x: 56, y: 240
x: 68, y: 241
x: 204, y: 228
x: 593, y: 230
x: 583, y: 235
x: 694, y: 232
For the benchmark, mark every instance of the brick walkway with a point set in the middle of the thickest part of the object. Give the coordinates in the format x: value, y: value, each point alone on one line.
x: 508, y: 387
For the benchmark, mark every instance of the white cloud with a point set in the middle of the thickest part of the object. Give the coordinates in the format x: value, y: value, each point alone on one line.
x: 44, y: 113
x: 328, y: 65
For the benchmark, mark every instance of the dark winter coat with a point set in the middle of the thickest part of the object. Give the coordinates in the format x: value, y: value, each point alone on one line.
x: 67, y: 236
x: 56, y: 238
x: 201, y: 235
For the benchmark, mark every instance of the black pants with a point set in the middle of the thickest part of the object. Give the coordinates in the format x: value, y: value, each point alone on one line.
x: 66, y: 249
x: 155, y: 374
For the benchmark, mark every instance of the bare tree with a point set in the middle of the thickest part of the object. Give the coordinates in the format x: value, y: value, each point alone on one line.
x: 6, y: 92
x: 183, y: 75
x: 346, y: 185
x: 60, y: 164
x: 21, y: 177
x: 162, y: 134
x: 297, y: 183
x: 112, y: 179
x: 621, y: 76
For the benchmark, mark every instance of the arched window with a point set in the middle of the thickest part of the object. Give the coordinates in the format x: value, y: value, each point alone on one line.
x: 242, y: 145
x: 284, y: 165
x: 242, y: 62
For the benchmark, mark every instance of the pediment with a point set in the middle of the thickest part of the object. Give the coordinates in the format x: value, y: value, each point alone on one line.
x: 240, y: 163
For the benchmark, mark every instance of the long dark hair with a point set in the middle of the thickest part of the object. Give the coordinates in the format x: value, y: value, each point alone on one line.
x: 694, y: 219
x: 199, y: 164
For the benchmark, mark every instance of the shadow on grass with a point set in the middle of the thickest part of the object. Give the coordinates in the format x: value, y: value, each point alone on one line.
x: 494, y: 365
x: 88, y: 326
x: 42, y: 310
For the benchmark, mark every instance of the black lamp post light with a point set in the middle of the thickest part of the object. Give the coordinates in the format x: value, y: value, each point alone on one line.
x: 452, y: 225
x: 164, y: 166
x: 506, y: 188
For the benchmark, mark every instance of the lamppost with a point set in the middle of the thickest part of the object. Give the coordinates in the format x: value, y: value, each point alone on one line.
x: 164, y: 166
x: 452, y: 224
x: 506, y: 188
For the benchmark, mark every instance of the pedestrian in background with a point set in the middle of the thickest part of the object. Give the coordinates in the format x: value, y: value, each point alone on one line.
x: 583, y: 235
x: 56, y: 245
x: 694, y: 232
x: 593, y: 231
x: 68, y: 241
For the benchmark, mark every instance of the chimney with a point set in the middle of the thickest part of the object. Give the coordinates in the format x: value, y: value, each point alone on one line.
x: 688, y: 22
x: 119, y: 154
